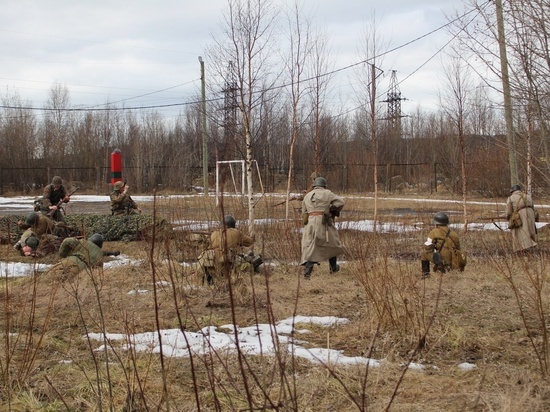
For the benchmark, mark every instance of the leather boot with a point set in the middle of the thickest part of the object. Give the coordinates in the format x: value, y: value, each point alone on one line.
x: 308, y: 268
x: 425, y: 268
x: 334, y: 267
x: 208, y: 277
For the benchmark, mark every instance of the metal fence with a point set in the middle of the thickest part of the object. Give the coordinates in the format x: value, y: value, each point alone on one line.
x: 344, y: 178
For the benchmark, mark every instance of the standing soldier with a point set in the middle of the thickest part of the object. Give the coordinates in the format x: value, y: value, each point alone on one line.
x: 121, y: 202
x: 52, y: 195
x: 524, y: 234
x: 320, y: 239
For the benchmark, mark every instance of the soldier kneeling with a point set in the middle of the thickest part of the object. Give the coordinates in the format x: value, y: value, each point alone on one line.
x: 442, y: 248
x: 223, y: 252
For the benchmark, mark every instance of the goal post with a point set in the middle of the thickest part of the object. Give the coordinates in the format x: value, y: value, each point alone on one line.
x: 241, y: 165
x: 230, y: 163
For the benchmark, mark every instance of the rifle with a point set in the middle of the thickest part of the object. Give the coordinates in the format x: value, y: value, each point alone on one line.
x: 58, y: 205
x: 492, y: 219
x: 295, y: 197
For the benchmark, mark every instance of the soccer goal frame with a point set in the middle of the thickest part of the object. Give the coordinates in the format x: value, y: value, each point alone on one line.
x: 231, y: 163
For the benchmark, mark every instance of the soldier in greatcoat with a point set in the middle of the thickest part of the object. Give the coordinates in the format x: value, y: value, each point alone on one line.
x: 320, y: 239
x: 525, y: 236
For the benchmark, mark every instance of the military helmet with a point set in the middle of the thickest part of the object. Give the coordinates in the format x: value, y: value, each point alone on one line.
x: 441, y: 218
x: 32, y: 219
x: 320, y: 182
x: 118, y: 185
x: 229, y: 221
x: 97, y: 239
x: 57, y: 181
x: 515, y: 187
x: 32, y: 242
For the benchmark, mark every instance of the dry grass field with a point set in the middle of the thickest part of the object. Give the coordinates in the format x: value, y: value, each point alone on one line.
x: 492, y: 317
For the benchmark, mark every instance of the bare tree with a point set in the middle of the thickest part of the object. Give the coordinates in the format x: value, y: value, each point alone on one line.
x: 371, y: 46
x: 456, y: 106
x: 18, y: 130
x: 58, y: 124
x: 299, y: 52
x: 248, y: 31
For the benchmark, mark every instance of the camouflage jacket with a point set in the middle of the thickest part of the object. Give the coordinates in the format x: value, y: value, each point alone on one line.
x: 84, y: 253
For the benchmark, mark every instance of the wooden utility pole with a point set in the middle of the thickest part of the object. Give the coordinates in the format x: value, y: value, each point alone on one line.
x: 508, y: 117
x: 374, y: 143
x: 204, y: 136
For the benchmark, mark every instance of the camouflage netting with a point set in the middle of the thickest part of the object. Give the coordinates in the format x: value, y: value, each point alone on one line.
x: 113, y: 228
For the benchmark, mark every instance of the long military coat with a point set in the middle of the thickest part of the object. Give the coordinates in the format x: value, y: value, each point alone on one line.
x: 320, y: 239
x: 523, y: 237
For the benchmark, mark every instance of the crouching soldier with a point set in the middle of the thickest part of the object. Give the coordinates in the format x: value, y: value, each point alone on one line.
x: 442, y: 248
x: 121, y: 202
x: 29, y: 246
x: 224, y: 253
x: 78, y: 255
x: 35, y: 225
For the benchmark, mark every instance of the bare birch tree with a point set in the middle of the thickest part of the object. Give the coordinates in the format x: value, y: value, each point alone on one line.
x: 246, y: 42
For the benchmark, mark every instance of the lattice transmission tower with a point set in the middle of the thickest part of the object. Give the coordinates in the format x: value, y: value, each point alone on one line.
x: 393, y: 100
x: 230, y: 106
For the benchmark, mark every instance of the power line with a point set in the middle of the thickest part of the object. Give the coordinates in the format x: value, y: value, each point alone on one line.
x: 98, y: 107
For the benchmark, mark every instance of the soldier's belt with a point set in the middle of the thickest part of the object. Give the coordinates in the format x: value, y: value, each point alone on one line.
x: 316, y: 213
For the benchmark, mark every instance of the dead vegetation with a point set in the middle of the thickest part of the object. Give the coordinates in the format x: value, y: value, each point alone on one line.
x: 492, y: 315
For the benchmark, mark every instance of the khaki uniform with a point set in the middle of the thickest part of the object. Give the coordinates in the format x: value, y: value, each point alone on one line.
x: 221, y: 255
x: 320, y: 239
x: 524, y: 237
x: 51, y: 197
x: 44, y: 226
x: 78, y: 255
x: 441, y: 236
x: 122, y: 204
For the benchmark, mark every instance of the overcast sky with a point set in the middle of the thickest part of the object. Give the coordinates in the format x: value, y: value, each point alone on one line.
x: 142, y: 53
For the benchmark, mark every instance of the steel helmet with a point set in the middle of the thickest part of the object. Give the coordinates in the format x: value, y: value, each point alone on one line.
x: 118, y: 185
x: 96, y: 239
x: 320, y: 182
x: 230, y: 221
x: 441, y: 218
x: 32, y: 219
x: 32, y: 242
x: 515, y: 187
x: 57, y: 181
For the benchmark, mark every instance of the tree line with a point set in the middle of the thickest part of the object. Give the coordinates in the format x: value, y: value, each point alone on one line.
x: 290, y: 132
